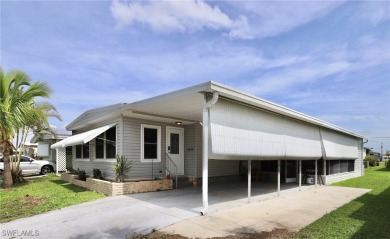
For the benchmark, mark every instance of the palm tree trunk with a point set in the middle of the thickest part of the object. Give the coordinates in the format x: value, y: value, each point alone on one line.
x: 7, y: 148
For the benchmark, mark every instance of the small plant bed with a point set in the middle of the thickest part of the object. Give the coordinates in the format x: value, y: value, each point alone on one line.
x: 114, y: 188
x: 41, y: 195
x: 365, y: 217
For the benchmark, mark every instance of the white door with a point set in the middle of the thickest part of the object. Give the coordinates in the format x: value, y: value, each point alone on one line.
x: 175, y: 148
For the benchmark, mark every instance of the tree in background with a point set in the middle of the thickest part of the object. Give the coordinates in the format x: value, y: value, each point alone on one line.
x: 18, y: 110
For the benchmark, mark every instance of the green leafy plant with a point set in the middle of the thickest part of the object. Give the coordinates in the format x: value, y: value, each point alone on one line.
x: 388, y: 163
x: 121, y: 167
x: 97, y: 173
x: 82, y: 175
x: 371, y: 159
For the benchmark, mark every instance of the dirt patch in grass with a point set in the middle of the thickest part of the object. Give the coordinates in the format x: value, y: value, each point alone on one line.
x: 276, y: 233
x: 29, y: 201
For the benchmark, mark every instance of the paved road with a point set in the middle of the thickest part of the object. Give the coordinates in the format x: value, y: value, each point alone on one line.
x: 178, y: 211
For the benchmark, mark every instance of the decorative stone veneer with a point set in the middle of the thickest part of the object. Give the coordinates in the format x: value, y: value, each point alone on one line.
x: 114, y: 189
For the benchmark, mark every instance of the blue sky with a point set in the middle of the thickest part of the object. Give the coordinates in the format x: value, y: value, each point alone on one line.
x: 327, y: 59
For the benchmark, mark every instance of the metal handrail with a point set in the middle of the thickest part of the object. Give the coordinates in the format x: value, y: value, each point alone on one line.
x: 168, y: 163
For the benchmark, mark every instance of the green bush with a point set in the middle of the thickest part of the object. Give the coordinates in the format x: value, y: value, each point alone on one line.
x: 388, y: 163
x: 97, y: 173
x: 371, y: 159
x: 121, y: 166
x: 82, y: 175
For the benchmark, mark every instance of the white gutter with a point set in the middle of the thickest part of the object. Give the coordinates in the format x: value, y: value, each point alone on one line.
x: 205, y: 150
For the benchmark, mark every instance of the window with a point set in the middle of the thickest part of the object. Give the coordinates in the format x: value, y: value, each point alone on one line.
x: 106, y: 144
x: 82, y: 151
x: 351, y: 165
x: 339, y: 166
x: 150, y: 143
x: 69, y: 151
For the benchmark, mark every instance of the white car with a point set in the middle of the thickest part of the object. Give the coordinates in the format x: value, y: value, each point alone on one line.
x: 31, y: 166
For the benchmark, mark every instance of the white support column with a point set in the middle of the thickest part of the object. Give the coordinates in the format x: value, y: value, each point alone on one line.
x: 278, y: 178
x: 57, y: 157
x: 324, y: 172
x: 315, y: 174
x: 205, y: 150
x: 205, y: 161
x: 300, y: 174
x: 249, y: 180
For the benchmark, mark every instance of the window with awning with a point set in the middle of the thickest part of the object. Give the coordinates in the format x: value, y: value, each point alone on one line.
x: 82, y: 138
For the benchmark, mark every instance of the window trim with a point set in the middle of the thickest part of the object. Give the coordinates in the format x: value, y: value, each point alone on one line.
x: 328, y: 162
x: 105, y: 159
x: 158, y: 159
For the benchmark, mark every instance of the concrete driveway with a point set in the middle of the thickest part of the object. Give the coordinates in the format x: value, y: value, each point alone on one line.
x: 177, y: 211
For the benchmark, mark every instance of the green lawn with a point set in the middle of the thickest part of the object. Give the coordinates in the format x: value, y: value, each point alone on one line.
x: 41, y: 195
x: 365, y: 217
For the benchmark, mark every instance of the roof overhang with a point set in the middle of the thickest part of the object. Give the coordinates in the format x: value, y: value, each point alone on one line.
x: 187, y: 104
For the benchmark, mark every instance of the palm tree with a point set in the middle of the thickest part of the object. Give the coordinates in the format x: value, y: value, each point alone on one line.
x: 17, y: 110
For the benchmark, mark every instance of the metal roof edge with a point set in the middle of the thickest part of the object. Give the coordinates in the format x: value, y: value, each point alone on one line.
x: 206, y: 86
x: 77, y: 123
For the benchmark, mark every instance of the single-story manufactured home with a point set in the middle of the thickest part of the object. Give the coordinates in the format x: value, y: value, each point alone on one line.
x: 213, y: 133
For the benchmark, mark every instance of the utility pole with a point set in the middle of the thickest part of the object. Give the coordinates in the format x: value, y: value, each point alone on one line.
x: 381, y: 149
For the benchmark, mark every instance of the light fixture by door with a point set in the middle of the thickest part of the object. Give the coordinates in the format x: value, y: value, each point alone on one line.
x: 178, y: 123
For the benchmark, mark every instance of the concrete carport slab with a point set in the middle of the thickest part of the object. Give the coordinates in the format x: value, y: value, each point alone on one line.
x: 177, y: 211
x: 292, y: 211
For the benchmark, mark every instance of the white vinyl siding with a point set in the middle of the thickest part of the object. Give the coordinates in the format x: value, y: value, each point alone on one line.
x: 242, y: 132
x: 339, y: 146
x: 132, y: 149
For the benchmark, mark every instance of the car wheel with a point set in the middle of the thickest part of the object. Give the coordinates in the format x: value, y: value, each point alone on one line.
x: 1, y: 173
x: 46, y: 169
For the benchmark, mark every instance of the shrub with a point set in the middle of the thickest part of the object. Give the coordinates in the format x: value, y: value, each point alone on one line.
x: 388, y: 163
x: 82, y: 175
x: 371, y: 159
x: 97, y: 173
x: 121, y: 166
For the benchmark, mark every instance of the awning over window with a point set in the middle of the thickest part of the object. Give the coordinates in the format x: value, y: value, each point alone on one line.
x: 339, y: 146
x: 82, y: 138
x: 238, y: 132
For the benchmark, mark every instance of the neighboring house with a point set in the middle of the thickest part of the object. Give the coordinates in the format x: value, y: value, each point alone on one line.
x: 62, y: 158
x: 213, y: 133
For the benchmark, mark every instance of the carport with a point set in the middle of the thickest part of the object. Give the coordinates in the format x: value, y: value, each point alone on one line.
x: 238, y: 126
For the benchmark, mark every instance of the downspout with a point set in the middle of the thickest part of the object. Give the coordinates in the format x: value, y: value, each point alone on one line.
x: 323, y: 156
x: 205, y: 150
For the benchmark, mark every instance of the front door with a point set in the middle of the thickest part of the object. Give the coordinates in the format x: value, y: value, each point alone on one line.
x: 175, y: 148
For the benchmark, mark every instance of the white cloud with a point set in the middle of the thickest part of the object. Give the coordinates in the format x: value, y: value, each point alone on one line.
x: 375, y: 12
x: 270, y: 18
x: 169, y: 16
